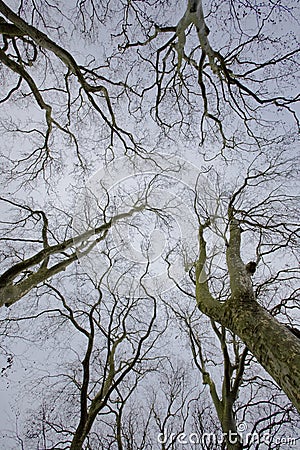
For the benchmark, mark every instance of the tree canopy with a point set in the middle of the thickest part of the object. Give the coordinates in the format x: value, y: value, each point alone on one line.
x: 149, y: 222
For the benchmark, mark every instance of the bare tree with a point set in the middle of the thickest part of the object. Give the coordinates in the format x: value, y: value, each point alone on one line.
x: 265, y: 337
x: 215, y: 82
x: 22, y: 277
x: 112, y: 339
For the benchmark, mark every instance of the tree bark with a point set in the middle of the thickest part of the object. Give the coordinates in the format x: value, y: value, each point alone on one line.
x: 275, y: 347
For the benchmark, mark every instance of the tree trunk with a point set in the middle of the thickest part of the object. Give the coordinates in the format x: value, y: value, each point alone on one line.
x: 276, y: 348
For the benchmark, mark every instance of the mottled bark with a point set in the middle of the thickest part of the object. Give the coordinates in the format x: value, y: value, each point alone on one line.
x: 276, y: 348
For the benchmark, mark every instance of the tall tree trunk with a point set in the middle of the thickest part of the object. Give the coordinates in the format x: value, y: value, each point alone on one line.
x: 276, y: 348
